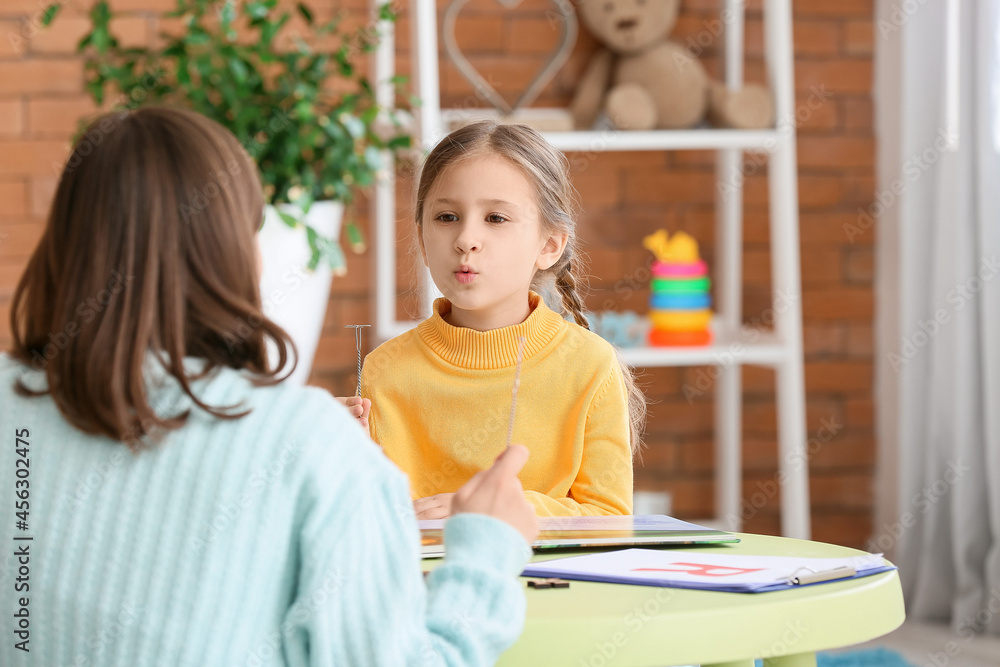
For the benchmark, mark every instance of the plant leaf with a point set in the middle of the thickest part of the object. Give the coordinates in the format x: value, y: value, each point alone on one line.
x: 400, y: 141
x: 289, y: 220
x: 257, y: 10
x: 354, y: 237
x: 50, y: 13
x: 239, y: 69
x: 354, y: 125
x: 313, y: 238
x: 306, y: 14
x: 386, y: 12
x: 227, y: 13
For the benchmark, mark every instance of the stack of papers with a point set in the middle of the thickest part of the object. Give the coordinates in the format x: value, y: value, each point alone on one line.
x: 726, y: 572
x: 594, y: 531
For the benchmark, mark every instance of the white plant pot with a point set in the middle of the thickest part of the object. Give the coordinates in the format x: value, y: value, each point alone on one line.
x: 293, y: 296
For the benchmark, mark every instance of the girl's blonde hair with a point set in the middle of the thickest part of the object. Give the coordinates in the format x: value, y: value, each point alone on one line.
x: 547, y: 169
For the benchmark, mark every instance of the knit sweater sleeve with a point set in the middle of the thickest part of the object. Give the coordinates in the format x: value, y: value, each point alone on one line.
x: 603, y: 484
x: 361, y: 599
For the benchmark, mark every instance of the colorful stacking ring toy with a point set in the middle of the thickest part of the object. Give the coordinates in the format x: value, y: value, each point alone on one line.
x: 680, y: 305
x: 679, y: 338
x: 681, y: 285
x: 684, y: 270
x: 679, y: 301
x: 681, y: 320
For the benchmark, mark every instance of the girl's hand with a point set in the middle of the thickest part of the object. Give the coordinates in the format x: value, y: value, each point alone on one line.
x: 498, y: 493
x: 434, y: 507
x: 359, y: 407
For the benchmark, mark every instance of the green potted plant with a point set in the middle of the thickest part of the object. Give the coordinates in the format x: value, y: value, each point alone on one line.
x: 304, y: 112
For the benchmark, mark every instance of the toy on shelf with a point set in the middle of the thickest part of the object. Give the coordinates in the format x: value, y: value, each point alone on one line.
x: 628, y: 329
x: 680, y: 305
x: 640, y: 79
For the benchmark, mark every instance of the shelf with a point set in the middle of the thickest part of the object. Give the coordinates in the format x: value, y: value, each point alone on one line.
x: 620, y: 140
x: 760, y: 350
x: 701, y: 139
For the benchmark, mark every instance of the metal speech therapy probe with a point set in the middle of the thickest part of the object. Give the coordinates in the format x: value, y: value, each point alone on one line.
x: 517, y: 382
x: 357, y: 341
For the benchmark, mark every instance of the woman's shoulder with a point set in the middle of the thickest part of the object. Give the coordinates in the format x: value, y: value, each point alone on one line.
x: 13, y: 371
x: 11, y: 364
x: 310, y: 418
x: 7, y: 363
x: 272, y: 412
x: 277, y: 399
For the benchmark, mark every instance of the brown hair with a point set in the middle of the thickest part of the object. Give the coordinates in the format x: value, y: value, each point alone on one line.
x: 548, y: 170
x: 149, y: 247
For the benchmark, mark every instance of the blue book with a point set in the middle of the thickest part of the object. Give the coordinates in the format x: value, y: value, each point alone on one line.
x: 568, y: 532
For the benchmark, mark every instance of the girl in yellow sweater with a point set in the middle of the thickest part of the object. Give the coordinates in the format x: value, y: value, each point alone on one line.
x: 495, y: 213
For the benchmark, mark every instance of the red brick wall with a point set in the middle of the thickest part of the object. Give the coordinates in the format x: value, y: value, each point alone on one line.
x: 625, y: 195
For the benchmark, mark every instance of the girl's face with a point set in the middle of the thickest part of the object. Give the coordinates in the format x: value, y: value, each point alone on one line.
x: 482, y: 240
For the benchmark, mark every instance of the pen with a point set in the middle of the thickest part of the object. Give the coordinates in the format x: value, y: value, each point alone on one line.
x: 825, y: 575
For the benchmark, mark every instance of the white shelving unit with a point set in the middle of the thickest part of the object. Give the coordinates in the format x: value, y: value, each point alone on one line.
x: 732, y: 348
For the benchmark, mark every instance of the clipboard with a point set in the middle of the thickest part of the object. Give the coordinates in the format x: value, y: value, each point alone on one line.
x: 724, y: 573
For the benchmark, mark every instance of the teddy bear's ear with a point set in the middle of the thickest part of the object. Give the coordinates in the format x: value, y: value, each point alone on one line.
x: 671, y: 8
x: 589, y: 11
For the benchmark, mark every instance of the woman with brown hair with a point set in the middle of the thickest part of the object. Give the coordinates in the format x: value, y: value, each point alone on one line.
x: 179, y: 505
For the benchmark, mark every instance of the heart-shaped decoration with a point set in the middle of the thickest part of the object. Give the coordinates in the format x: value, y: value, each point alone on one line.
x: 565, y: 15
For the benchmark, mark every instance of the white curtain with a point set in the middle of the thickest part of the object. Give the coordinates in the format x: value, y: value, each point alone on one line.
x: 938, y: 305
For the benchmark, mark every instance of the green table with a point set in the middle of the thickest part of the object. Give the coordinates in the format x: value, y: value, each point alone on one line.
x: 612, y: 625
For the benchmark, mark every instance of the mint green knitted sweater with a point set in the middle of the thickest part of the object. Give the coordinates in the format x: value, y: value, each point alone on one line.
x: 281, y: 538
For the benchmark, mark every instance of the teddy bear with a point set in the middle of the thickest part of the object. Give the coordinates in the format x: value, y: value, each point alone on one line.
x: 641, y: 80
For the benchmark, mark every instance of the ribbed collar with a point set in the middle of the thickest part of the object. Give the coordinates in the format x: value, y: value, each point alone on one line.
x: 481, y: 350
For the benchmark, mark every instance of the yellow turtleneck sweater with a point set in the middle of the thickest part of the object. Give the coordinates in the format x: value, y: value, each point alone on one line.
x: 441, y: 401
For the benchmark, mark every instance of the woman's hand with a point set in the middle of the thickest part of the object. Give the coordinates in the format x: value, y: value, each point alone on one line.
x: 359, y: 407
x: 434, y: 507
x: 498, y: 493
